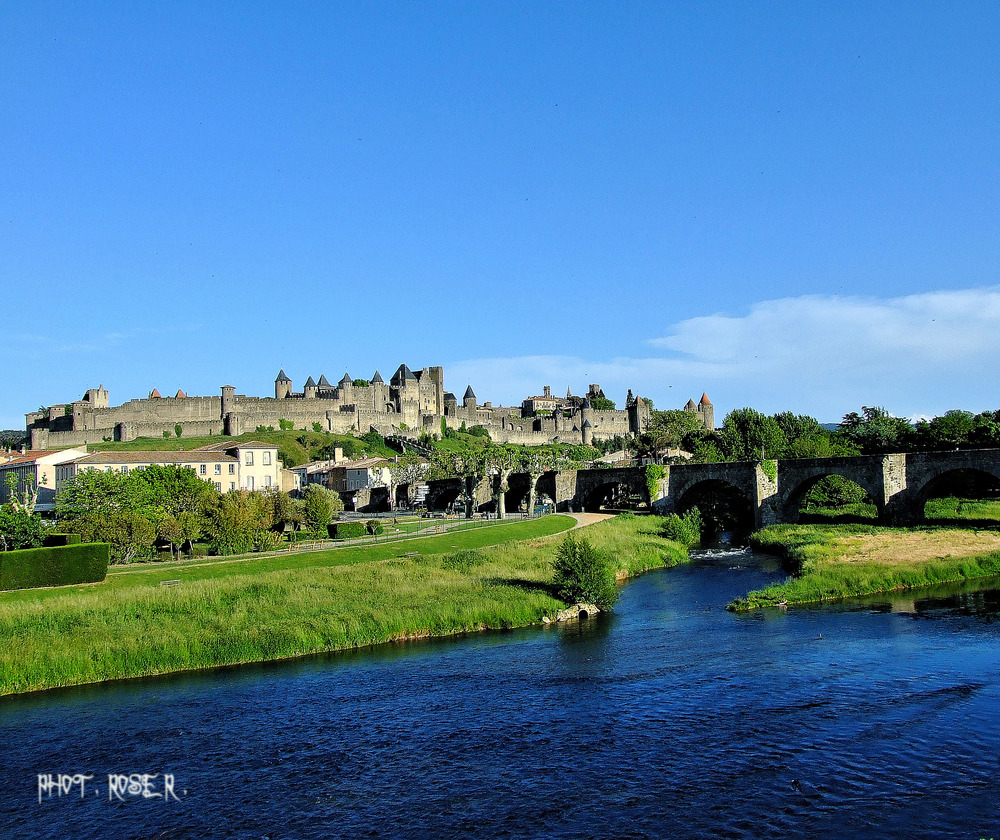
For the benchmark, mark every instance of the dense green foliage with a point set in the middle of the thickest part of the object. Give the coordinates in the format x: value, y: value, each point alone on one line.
x: 54, y: 566
x: 19, y: 529
x: 319, y: 506
x: 133, y: 511
x: 583, y: 574
x: 686, y: 529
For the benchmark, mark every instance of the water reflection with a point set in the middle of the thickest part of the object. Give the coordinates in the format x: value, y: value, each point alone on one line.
x: 669, y: 718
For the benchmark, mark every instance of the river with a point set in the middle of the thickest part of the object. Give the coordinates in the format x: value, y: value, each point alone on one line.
x: 669, y: 719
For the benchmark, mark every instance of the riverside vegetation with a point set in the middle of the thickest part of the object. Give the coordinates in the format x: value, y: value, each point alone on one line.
x: 231, y: 612
x: 830, y: 562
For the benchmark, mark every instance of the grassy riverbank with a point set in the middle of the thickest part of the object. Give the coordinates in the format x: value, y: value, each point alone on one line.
x: 225, y: 614
x: 830, y: 562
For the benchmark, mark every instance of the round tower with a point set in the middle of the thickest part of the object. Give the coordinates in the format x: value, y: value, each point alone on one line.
x: 228, y: 400
x: 282, y: 386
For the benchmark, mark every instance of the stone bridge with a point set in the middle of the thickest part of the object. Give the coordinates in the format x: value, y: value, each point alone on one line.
x: 899, y: 484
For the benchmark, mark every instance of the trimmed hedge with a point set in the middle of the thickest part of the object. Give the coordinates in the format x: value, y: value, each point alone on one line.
x: 54, y: 566
x: 347, y: 530
x: 354, y: 530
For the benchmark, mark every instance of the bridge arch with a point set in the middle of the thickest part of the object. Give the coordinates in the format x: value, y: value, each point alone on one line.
x: 797, y: 477
x: 792, y: 499
x: 723, y: 505
x: 958, y: 481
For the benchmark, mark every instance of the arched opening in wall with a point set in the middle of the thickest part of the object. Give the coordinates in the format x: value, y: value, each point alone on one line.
x: 378, y: 501
x: 962, y: 497
x: 724, y: 508
x: 516, y: 497
x: 402, y: 496
x: 831, y: 498
x: 444, y: 496
x: 614, y: 496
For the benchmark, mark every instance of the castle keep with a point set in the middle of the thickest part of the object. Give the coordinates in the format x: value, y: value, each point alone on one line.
x: 409, y: 403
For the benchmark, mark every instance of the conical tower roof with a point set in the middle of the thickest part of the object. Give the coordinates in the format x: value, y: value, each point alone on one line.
x: 310, y: 383
x: 346, y: 379
x: 690, y: 406
x: 281, y: 376
x: 402, y: 374
x: 323, y: 381
x: 377, y: 379
x: 705, y: 400
x: 469, y: 393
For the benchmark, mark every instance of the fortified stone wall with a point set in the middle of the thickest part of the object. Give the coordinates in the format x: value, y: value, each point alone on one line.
x: 415, y: 401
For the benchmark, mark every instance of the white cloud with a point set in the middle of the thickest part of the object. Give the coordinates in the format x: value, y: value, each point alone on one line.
x: 922, y: 353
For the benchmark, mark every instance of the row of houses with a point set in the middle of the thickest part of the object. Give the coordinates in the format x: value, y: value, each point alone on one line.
x: 248, y: 465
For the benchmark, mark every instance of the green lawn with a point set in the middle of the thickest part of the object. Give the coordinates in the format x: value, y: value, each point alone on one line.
x: 210, y: 568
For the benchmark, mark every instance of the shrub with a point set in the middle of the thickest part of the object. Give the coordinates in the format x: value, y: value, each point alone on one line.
x: 178, y: 428
x: 374, y: 528
x: 684, y: 529
x: 166, y: 434
x: 316, y: 427
x: 288, y: 425
x: 347, y: 530
x: 583, y: 574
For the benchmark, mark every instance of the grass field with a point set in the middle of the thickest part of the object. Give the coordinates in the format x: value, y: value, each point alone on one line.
x: 231, y: 612
x: 831, y: 562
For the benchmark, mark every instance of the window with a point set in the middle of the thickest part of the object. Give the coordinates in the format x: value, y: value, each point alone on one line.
x: 248, y: 458
x: 232, y: 485
x: 203, y: 469
x: 249, y: 482
x: 232, y: 469
x: 218, y: 469
x: 124, y: 469
x: 218, y: 486
x: 266, y: 459
x: 267, y: 481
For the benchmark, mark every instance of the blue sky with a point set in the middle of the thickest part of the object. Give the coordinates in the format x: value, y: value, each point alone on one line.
x: 791, y: 206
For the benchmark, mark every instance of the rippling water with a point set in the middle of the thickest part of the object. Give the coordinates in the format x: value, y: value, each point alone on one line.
x: 672, y: 718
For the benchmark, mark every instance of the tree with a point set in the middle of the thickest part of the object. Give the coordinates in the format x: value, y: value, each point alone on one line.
x: 667, y: 430
x: 536, y: 462
x: 469, y: 466
x: 952, y: 429
x: 130, y: 534
x: 178, y: 429
x: 20, y: 528
x: 602, y: 404
x: 237, y: 520
x: 583, y: 574
x: 319, y: 507
x: 875, y: 431
x: 407, y: 469
x: 499, y: 461
x: 748, y: 435
x: 285, y: 511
